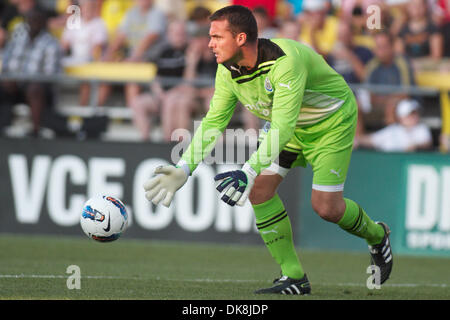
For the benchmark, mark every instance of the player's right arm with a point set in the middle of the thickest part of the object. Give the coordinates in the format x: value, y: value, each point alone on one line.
x: 214, y: 123
x: 170, y: 178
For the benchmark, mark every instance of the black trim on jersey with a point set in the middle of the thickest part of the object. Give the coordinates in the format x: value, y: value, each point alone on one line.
x: 267, y: 51
x: 255, y: 76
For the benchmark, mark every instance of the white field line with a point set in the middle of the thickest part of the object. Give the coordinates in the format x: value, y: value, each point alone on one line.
x: 348, y: 284
x: 53, y: 276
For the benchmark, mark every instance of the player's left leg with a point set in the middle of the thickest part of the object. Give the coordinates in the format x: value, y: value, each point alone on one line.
x: 329, y: 157
x: 347, y: 214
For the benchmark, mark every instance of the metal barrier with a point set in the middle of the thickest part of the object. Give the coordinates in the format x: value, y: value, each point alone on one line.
x: 429, y: 84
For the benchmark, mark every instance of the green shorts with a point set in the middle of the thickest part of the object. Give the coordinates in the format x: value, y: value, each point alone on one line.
x: 326, y: 146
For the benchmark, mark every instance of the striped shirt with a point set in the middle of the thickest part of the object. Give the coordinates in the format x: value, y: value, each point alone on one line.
x: 26, y: 56
x: 399, y: 72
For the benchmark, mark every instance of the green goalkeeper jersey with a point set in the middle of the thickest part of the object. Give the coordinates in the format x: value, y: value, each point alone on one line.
x: 291, y: 86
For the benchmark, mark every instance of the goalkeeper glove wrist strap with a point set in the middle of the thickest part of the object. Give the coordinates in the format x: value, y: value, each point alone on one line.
x: 183, y: 165
x: 249, y: 171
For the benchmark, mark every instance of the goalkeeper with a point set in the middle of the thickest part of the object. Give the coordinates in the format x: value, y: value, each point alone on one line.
x: 311, y: 115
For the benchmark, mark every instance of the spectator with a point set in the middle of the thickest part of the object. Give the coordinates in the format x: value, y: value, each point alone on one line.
x: 407, y: 135
x: 142, y: 32
x: 420, y: 37
x: 170, y: 64
x: 395, y: 10
x: 290, y: 29
x: 386, y: 68
x: 198, y: 23
x: 31, y: 51
x: 358, y: 22
x: 112, y: 12
x: 24, y: 6
x: 356, y: 12
x: 13, y: 12
x: 444, y: 23
x: 349, y: 59
x: 265, y: 28
x: 189, y: 98
x: 85, y: 43
x: 142, y: 28
x: 317, y: 28
x: 200, y: 65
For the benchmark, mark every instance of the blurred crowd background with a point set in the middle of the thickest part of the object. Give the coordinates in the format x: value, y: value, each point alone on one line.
x: 379, y: 46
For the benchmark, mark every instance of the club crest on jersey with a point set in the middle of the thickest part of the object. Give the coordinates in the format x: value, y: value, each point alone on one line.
x: 268, y: 85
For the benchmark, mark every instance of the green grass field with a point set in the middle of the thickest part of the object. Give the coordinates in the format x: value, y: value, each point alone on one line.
x: 34, y: 267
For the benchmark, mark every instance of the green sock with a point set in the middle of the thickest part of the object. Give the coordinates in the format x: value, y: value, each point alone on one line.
x: 275, y: 229
x: 358, y: 223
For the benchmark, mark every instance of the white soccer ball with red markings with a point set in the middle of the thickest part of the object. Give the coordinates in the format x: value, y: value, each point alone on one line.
x: 104, y: 218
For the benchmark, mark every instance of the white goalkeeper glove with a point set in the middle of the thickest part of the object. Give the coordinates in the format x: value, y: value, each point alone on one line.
x: 163, y: 186
x: 235, y: 186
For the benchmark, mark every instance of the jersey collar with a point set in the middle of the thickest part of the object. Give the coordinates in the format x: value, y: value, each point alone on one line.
x: 267, y: 51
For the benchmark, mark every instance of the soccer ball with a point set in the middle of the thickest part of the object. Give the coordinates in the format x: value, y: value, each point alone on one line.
x: 104, y: 218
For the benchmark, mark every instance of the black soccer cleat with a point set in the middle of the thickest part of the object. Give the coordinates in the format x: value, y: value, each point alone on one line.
x: 381, y: 255
x: 286, y: 285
